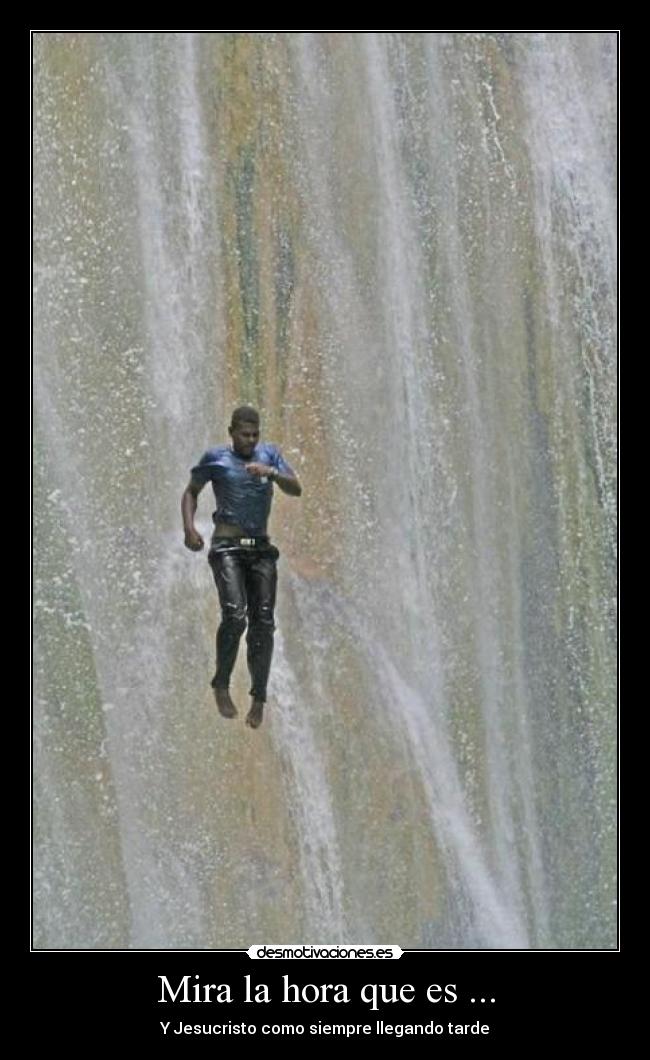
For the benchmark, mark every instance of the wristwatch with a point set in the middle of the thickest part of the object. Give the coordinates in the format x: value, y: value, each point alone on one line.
x: 273, y: 474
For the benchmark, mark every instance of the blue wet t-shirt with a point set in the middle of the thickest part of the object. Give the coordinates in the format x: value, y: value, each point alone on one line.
x: 242, y: 499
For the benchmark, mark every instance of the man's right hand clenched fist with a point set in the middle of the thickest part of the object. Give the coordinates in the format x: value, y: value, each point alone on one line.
x: 193, y: 540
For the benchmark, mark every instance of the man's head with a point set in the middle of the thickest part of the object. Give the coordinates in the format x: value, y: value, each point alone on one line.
x: 244, y: 429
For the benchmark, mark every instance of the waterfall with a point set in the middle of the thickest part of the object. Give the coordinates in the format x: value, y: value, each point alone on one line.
x: 401, y: 247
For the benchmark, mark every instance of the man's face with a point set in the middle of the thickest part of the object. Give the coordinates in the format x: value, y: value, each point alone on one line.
x: 245, y: 437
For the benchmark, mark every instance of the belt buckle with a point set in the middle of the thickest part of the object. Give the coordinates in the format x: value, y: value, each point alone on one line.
x: 248, y: 541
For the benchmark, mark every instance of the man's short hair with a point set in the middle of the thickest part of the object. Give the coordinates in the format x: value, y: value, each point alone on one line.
x: 245, y: 414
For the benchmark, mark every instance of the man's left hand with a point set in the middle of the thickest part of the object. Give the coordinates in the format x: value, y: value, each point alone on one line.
x: 260, y: 470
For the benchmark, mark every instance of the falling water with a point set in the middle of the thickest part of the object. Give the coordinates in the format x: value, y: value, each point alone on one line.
x: 402, y: 248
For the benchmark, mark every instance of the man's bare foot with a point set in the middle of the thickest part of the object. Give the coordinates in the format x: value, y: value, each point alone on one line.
x: 254, y: 717
x: 225, y: 704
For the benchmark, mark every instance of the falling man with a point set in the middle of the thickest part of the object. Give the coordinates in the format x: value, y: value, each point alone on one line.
x: 241, y: 556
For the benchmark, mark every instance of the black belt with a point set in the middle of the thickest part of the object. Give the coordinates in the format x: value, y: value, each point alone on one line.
x: 239, y: 542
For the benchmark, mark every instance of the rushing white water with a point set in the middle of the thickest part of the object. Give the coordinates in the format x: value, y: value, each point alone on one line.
x: 402, y: 248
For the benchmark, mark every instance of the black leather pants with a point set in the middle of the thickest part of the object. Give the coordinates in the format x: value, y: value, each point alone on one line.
x: 246, y: 580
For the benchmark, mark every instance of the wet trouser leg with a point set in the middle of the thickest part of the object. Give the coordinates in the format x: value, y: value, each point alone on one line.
x: 261, y: 584
x: 229, y: 573
x: 246, y: 583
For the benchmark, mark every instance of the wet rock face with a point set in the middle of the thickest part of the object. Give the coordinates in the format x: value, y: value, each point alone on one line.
x: 401, y: 247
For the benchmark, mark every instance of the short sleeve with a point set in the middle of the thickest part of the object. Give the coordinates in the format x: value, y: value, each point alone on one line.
x: 281, y: 464
x: 202, y: 472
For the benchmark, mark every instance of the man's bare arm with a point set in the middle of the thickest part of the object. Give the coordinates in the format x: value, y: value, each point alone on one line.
x: 193, y: 539
x: 287, y: 483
